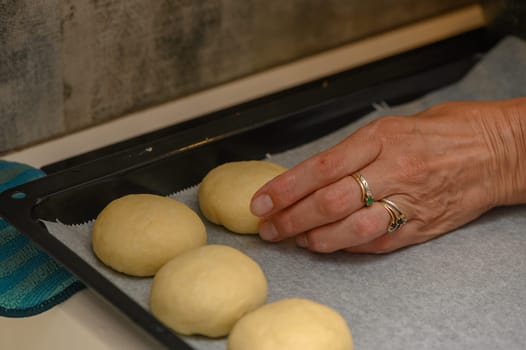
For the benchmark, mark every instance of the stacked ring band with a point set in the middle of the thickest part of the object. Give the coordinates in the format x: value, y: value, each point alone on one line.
x: 367, y: 194
x: 398, y: 218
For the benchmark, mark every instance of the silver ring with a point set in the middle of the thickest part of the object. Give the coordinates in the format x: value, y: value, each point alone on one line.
x: 398, y: 218
x: 367, y: 194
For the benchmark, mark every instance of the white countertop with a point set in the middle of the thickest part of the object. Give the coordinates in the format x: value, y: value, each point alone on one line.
x: 87, y: 322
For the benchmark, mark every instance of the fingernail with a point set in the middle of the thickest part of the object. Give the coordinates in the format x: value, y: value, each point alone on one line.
x: 261, y: 205
x: 267, y: 231
x: 301, y: 241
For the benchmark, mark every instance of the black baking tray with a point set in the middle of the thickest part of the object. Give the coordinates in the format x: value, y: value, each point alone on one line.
x: 174, y: 158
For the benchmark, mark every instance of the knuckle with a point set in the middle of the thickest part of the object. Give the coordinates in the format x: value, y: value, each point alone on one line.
x: 317, y: 243
x: 328, y: 166
x: 285, y: 224
x: 388, y: 129
x: 283, y: 190
x: 364, y: 227
x: 386, y: 125
x: 361, y: 237
x: 332, y: 203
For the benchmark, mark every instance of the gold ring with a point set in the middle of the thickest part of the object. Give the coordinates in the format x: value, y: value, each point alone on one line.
x: 398, y: 218
x: 367, y: 194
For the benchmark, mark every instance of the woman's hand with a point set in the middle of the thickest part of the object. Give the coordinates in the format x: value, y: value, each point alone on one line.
x: 443, y: 168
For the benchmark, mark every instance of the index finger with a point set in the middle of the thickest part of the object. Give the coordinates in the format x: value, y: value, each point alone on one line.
x: 314, y: 173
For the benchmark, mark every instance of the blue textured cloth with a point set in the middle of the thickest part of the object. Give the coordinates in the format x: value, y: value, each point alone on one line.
x: 30, y: 281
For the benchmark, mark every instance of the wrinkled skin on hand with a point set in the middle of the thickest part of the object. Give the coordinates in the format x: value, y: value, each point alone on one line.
x: 443, y: 167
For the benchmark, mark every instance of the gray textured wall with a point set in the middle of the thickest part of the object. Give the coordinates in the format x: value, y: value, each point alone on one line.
x: 30, y: 72
x: 66, y: 65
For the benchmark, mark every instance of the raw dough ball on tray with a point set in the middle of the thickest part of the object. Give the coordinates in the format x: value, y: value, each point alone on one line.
x: 206, y: 290
x: 137, y: 234
x: 291, y: 324
x: 226, y: 191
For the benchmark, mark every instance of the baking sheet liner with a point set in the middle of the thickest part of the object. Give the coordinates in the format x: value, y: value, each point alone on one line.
x: 464, y: 289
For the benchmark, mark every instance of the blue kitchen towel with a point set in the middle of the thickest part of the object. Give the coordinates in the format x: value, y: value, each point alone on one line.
x: 30, y: 281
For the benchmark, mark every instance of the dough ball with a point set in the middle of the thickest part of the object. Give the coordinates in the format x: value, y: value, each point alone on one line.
x: 291, y: 324
x: 226, y: 191
x: 206, y: 290
x: 137, y: 234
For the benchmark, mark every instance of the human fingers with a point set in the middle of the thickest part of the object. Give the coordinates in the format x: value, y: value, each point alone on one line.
x: 326, y: 205
x: 441, y: 163
x: 314, y: 173
x: 331, y: 203
x: 389, y: 242
x: 363, y: 226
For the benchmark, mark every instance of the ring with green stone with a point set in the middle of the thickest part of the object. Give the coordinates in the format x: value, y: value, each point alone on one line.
x: 367, y: 194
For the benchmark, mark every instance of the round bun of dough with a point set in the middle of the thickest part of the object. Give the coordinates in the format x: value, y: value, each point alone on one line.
x: 137, y: 234
x: 226, y: 191
x: 291, y: 324
x: 206, y: 290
